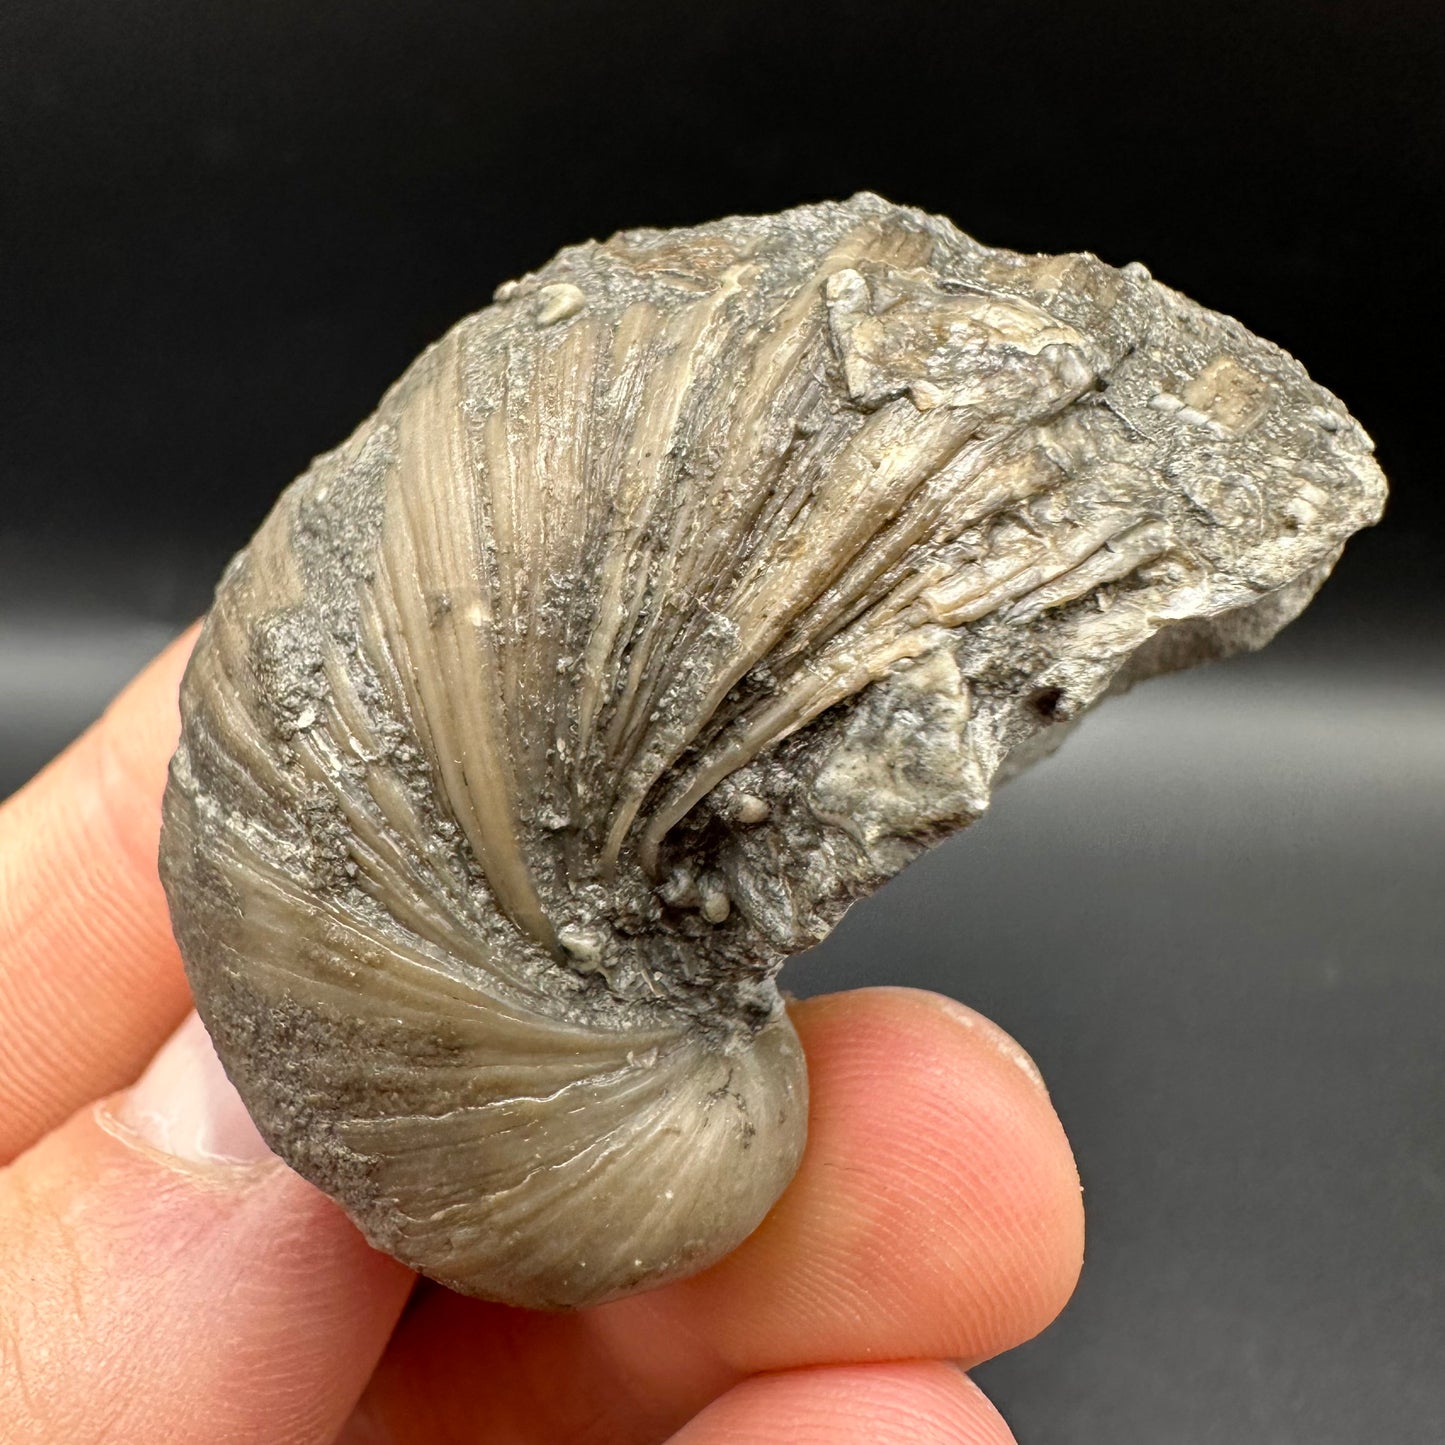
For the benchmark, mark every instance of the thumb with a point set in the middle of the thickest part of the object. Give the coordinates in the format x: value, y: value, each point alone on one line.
x: 164, y: 1277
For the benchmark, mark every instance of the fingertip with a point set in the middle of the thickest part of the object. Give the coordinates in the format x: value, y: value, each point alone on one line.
x: 963, y: 1121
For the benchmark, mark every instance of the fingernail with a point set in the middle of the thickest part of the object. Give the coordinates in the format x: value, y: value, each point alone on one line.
x: 185, y: 1105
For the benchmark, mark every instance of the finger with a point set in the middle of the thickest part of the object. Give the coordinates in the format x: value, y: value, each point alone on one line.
x: 90, y: 980
x: 163, y: 1278
x: 936, y: 1214
x: 925, y: 1403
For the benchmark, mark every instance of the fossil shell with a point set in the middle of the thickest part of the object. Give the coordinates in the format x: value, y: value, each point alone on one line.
x: 662, y: 609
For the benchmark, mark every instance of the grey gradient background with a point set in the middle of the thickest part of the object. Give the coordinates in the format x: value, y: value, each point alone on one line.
x: 1215, y: 917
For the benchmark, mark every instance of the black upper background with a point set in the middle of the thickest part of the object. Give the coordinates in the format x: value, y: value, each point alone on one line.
x: 228, y: 227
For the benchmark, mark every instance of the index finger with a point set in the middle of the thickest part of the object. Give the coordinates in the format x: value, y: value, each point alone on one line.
x: 90, y: 978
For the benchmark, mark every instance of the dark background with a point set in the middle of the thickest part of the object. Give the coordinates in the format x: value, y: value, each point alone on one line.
x: 1216, y: 919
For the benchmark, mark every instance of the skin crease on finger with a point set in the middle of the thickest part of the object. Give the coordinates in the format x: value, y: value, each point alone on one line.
x: 937, y: 1214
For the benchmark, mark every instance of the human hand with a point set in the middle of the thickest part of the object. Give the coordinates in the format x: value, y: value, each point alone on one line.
x: 166, y: 1281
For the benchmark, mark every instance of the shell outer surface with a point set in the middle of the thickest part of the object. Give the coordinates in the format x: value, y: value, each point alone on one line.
x: 664, y: 608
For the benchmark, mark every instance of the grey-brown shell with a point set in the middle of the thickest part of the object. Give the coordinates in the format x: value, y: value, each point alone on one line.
x: 662, y: 609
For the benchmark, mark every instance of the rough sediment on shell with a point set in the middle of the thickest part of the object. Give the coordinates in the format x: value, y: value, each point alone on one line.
x: 663, y: 609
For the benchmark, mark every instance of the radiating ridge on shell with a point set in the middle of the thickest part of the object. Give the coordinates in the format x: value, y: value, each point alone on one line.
x: 664, y: 608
